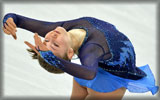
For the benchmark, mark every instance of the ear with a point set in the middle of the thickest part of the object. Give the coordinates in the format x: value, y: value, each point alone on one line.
x: 70, y: 53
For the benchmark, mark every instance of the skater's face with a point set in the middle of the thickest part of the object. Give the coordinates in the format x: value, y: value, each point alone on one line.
x: 58, y: 41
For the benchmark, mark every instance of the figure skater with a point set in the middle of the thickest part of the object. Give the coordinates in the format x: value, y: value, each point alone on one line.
x: 107, y: 56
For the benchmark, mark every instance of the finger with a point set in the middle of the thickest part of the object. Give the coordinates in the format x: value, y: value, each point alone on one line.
x: 12, y: 31
x: 36, y: 40
x: 14, y: 35
x: 8, y: 28
x: 6, y: 31
x: 31, y: 46
x: 10, y: 20
x: 39, y: 40
x: 11, y: 26
x: 40, y: 43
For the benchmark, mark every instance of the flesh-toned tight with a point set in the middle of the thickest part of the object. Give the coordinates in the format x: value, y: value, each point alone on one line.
x: 83, y: 93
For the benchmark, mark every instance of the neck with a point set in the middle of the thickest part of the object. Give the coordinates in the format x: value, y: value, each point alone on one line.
x: 77, y: 37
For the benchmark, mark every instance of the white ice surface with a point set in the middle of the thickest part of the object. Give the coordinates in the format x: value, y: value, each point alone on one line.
x: 24, y: 77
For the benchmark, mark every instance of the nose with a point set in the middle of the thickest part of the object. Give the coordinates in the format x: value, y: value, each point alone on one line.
x: 51, y: 36
x: 54, y: 35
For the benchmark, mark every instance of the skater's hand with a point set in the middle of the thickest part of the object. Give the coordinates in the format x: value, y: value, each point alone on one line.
x: 38, y: 44
x: 32, y: 47
x: 10, y: 28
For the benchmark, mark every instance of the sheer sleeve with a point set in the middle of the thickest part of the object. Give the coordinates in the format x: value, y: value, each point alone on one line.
x: 41, y: 27
x: 89, y: 62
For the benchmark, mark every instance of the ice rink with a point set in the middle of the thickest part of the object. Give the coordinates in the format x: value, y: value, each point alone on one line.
x: 23, y: 77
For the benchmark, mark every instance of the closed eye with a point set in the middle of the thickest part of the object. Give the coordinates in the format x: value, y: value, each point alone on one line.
x: 56, y: 45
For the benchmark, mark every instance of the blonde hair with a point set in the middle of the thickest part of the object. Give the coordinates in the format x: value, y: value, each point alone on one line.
x: 77, y: 38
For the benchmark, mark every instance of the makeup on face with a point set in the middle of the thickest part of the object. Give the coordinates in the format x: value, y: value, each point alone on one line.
x: 56, y: 41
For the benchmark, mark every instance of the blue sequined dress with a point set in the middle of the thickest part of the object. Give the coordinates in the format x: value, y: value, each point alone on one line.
x: 107, y: 56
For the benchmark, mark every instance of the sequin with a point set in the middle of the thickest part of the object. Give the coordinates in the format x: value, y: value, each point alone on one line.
x: 121, y: 62
x: 50, y: 58
x: 121, y: 48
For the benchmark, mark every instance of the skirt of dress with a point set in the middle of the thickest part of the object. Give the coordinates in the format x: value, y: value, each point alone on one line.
x: 106, y: 82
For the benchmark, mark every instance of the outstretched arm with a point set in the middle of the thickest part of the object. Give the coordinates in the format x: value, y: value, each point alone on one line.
x: 33, y: 25
x: 90, y: 56
x: 89, y: 62
x: 41, y: 27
